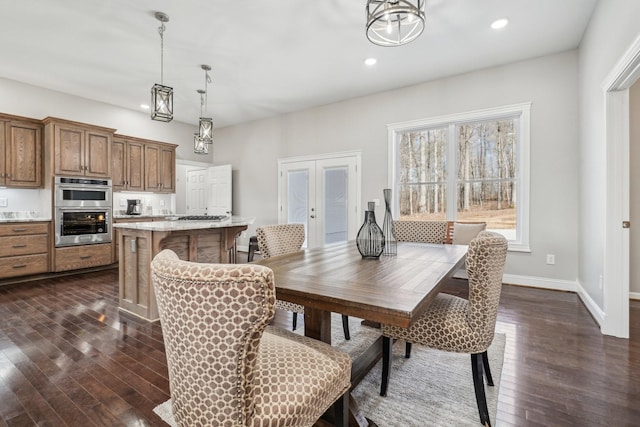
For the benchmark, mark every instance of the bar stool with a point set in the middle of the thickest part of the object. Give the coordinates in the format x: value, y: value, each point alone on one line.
x: 253, y: 246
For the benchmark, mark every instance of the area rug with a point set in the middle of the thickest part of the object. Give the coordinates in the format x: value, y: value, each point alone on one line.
x: 432, y: 388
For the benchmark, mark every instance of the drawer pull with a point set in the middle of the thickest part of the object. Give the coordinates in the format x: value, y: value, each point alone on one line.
x: 19, y: 230
x: 20, y: 266
x: 19, y: 246
x: 85, y: 257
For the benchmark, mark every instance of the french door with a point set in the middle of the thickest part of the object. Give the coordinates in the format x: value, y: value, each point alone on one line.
x: 323, y: 193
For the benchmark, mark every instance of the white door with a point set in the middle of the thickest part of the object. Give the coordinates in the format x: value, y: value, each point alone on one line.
x: 219, y: 197
x: 196, y: 192
x: 323, y: 194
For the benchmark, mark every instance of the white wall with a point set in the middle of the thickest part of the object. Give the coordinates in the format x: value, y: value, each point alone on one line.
x: 550, y: 83
x: 610, y: 33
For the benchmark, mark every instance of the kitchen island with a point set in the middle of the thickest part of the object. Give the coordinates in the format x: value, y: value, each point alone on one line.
x: 139, y: 242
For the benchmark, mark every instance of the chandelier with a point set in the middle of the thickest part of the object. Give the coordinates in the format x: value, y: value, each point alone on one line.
x: 162, y: 96
x: 394, y: 22
x: 204, y: 137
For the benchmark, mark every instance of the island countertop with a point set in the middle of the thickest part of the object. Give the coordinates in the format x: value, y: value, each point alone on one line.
x: 179, y: 225
x: 201, y: 241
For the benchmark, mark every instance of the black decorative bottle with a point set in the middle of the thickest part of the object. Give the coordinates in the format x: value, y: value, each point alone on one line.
x: 390, y: 242
x: 370, y: 239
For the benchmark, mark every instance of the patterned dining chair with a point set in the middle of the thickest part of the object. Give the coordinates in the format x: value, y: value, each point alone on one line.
x: 281, y: 239
x: 226, y: 366
x: 459, y: 325
x: 420, y: 231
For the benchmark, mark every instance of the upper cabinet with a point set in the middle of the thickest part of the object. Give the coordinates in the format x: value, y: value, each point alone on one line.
x: 127, y: 165
x: 160, y: 167
x: 20, y: 152
x: 79, y: 149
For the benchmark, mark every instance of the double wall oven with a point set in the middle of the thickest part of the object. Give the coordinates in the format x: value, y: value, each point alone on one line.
x: 82, y: 211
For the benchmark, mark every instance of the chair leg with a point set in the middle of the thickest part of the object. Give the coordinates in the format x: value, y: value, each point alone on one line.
x: 386, y: 364
x: 341, y: 410
x: 487, y: 369
x: 345, y: 327
x: 295, y: 320
x: 407, y: 350
x: 478, y: 385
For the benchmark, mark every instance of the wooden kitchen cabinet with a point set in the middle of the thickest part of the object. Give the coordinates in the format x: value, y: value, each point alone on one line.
x: 79, y: 149
x: 24, y: 248
x: 160, y: 167
x: 83, y: 256
x: 127, y: 164
x: 20, y: 152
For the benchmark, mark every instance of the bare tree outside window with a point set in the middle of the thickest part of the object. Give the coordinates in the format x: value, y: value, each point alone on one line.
x: 485, y: 167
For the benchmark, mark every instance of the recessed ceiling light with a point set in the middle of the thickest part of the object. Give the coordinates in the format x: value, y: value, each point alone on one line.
x: 370, y: 61
x: 499, y: 24
x: 144, y: 106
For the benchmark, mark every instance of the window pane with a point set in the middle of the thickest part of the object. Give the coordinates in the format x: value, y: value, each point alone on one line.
x: 335, y: 204
x: 487, y: 174
x: 423, y: 170
x: 423, y: 201
x: 423, y: 156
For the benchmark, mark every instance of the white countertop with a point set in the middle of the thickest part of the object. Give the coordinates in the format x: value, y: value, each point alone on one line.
x: 8, y: 220
x: 177, y: 225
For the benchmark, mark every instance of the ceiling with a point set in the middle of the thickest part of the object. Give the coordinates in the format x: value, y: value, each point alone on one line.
x: 267, y: 57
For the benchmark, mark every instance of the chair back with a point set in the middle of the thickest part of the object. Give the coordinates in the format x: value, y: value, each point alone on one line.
x: 420, y: 231
x: 212, y: 317
x: 486, y: 257
x: 280, y: 239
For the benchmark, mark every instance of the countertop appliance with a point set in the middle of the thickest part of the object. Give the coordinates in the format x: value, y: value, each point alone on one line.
x: 134, y: 207
x: 82, y: 211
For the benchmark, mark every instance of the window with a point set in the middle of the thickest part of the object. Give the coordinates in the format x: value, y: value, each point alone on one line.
x: 467, y: 167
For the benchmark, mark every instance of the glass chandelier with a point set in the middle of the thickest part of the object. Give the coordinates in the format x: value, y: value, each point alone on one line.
x: 162, y: 96
x: 394, y: 22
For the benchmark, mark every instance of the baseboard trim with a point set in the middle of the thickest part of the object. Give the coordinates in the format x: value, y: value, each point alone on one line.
x: 541, y: 282
x: 595, y: 311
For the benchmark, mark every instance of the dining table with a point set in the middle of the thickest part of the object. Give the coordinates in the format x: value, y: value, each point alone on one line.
x: 392, y: 289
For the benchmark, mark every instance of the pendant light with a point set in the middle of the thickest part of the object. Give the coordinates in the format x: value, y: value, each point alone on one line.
x: 394, y: 22
x: 161, y: 96
x: 204, y: 137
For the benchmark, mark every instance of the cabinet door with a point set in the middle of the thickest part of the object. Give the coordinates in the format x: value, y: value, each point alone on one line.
x: 168, y: 170
x: 152, y: 158
x: 97, y: 158
x: 23, y: 155
x: 2, y: 167
x: 69, y: 150
x: 135, y: 166
x: 118, y: 165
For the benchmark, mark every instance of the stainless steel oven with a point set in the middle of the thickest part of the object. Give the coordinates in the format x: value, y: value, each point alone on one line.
x: 82, y: 211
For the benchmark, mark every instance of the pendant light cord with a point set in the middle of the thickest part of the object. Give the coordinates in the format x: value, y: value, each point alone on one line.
x: 161, y: 31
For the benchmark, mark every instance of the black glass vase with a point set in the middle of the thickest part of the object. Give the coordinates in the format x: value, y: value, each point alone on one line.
x: 390, y: 242
x: 370, y: 239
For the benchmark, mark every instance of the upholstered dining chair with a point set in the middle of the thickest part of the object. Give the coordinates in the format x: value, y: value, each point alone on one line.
x: 458, y: 325
x: 226, y: 366
x: 420, y: 231
x: 281, y: 239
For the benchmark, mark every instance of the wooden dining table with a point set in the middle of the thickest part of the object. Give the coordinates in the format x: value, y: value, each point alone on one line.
x: 392, y: 289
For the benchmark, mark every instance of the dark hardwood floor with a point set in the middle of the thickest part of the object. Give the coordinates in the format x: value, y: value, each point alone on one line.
x: 68, y: 357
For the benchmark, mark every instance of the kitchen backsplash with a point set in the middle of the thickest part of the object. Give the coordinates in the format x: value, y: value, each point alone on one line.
x: 152, y: 203
x: 25, y: 203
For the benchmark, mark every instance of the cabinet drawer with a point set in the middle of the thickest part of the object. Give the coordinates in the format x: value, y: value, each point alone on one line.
x: 77, y: 257
x: 23, y: 245
x: 21, y: 228
x: 23, y: 265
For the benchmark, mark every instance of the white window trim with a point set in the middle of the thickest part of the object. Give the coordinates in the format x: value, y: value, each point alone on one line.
x: 523, y: 110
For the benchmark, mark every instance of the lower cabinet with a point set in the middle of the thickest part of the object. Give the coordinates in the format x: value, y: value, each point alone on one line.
x: 85, y: 256
x: 24, y: 249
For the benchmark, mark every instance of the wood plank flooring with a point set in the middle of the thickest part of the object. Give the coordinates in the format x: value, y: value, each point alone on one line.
x: 68, y: 357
